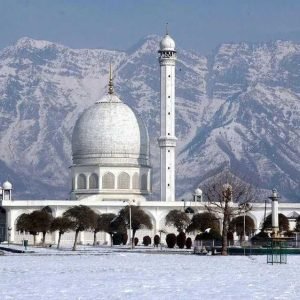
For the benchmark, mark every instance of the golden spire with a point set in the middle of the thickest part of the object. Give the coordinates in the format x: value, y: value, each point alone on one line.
x: 110, y: 83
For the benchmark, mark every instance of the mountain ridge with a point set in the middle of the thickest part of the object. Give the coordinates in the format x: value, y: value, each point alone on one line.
x: 238, y: 107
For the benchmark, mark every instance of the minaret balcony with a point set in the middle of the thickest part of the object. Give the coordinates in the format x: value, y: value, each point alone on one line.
x: 167, y: 141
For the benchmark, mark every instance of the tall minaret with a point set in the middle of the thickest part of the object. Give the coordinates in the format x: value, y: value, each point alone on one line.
x: 167, y: 139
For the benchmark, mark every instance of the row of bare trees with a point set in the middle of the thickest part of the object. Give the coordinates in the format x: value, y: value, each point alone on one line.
x: 81, y: 218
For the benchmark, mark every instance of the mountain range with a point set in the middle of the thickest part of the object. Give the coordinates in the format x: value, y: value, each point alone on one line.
x: 237, y: 108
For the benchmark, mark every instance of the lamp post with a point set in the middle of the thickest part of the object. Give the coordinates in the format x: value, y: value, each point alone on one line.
x: 8, y: 235
x: 130, y: 203
x: 160, y: 232
x: 245, y: 207
x: 275, y: 224
x: 183, y: 200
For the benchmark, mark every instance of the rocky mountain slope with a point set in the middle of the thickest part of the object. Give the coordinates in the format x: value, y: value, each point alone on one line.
x: 239, y: 108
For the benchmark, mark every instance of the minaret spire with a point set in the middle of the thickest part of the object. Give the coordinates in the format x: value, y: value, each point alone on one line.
x: 167, y: 139
x: 110, y: 83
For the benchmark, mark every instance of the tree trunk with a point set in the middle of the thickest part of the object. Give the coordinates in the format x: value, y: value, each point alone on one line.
x: 224, y: 235
x: 132, y: 239
x: 44, y: 238
x: 75, y: 241
x: 34, y: 239
x: 111, y: 239
x: 59, y: 237
x: 95, y: 238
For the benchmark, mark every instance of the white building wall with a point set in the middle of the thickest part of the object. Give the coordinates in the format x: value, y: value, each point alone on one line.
x: 157, y: 210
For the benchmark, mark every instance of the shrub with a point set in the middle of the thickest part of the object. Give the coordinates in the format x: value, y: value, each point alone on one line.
x: 180, y: 240
x: 146, y: 240
x: 124, y: 238
x: 136, y: 241
x: 171, y: 240
x: 120, y: 238
x: 260, y: 238
x: 188, y: 243
x: 156, y: 240
x: 117, y: 238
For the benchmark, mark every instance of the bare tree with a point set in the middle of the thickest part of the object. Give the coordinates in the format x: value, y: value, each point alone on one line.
x: 62, y: 225
x: 178, y: 219
x: 227, y: 196
x: 82, y: 218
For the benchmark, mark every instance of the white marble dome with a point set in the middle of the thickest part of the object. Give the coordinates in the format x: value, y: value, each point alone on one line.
x: 109, y: 132
x: 7, y: 185
x: 167, y: 44
x: 198, y: 192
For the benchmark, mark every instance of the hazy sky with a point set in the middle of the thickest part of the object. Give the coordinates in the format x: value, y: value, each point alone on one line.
x: 119, y: 24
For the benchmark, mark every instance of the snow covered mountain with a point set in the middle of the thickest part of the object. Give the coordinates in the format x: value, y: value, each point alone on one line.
x: 238, y: 108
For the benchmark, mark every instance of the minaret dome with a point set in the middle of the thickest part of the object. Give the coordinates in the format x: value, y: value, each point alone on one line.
x: 167, y: 43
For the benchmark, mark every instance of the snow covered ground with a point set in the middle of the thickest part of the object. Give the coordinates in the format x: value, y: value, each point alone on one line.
x: 104, y: 274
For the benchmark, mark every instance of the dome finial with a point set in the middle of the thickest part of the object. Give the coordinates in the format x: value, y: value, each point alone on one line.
x: 167, y: 32
x: 110, y: 83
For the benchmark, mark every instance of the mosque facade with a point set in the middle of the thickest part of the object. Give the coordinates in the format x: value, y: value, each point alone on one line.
x: 111, y: 165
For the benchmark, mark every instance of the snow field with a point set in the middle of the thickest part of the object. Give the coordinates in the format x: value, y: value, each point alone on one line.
x: 123, y: 275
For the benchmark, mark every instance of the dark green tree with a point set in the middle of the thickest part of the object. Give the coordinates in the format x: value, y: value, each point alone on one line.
x: 203, y: 221
x: 96, y: 227
x: 82, y: 217
x: 108, y: 223
x: 282, y: 220
x: 23, y: 222
x: 209, y: 235
x: 35, y: 222
x: 178, y: 219
x: 62, y: 225
x: 237, y: 225
x: 42, y: 220
x: 297, y: 227
x: 139, y: 219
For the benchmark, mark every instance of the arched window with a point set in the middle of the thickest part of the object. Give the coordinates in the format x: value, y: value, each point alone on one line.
x: 144, y: 182
x: 81, y: 182
x: 135, y: 181
x: 108, y: 181
x: 123, y: 181
x: 93, y: 181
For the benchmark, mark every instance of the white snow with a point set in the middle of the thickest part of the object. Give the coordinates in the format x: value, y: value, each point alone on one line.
x: 106, y: 274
